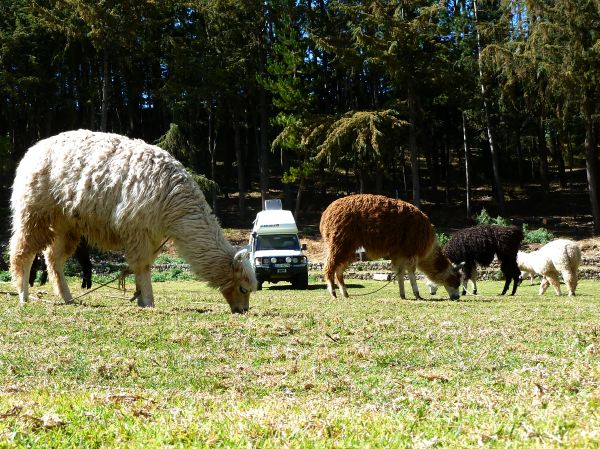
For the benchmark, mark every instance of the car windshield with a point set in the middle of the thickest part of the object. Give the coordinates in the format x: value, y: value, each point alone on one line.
x: 267, y: 242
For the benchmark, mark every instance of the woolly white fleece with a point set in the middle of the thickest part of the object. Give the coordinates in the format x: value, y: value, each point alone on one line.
x: 561, y: 256
x: 119, y: 193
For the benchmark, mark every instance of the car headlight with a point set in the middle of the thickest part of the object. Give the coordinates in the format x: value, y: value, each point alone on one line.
x: 295, y: 260
x: 273, y: 259
x: 288, y: 259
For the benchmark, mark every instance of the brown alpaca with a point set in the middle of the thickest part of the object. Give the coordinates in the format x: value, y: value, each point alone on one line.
x: 384, y: 227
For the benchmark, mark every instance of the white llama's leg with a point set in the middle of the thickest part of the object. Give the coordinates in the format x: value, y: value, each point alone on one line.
x: 140, y: 256
x: 22, y: 279
x: 570, y: 280
x: 544, y: 285
x: 143, y: 282
x: 26, y: 242
x: 56, y: 255
x: 555, y: 282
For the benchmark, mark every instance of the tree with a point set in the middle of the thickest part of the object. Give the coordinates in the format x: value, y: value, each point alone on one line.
x: 561, y: 43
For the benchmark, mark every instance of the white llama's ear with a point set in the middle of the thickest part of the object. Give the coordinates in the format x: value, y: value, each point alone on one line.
x: 459, y: 266
x: 241, y: 255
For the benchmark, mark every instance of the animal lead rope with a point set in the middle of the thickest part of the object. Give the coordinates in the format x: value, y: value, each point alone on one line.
x: 121, y: 277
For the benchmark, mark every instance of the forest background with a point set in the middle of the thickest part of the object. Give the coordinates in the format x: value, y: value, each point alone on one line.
x: 419, y: 99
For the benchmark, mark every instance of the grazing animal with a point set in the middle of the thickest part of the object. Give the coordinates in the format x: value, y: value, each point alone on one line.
x: 118, y: 193
x: 384, y: 227
x: 82, y: 255
x: 478, y: 245
x: 38, y: 264
x: 561, y: 256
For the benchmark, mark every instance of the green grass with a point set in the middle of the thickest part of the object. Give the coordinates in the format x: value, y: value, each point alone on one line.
x: 301, y: 370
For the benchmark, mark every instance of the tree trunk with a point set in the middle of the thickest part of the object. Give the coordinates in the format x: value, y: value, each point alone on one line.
x: 414, y: 151
x: 299, y: 198
x: 404, y: 183
x: 532, y: 151
x: 241, y: 172
x: 591, y: 164
x: 519, y: 157
x: 467, y: 165
x: 493, y: 149
x: 263, y: 159
x: 543, y: 153
x: 212, y: 146
x: 558, y: 157
x: 571, y: 157
x: 105, y: 92
x: 361, y: 180
x: 285, y: 166
x: 447, y: 171
x: 379, y: 180
x: 435, y: 165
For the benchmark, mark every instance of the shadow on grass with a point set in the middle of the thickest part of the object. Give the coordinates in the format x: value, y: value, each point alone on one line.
x: 192, y: 309
x: 310, y: 287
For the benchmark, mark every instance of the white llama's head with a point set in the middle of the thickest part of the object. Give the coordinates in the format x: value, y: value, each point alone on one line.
x: 243, y: 282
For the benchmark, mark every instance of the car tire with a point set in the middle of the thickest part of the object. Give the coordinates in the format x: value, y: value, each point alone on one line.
x: 300, y: 282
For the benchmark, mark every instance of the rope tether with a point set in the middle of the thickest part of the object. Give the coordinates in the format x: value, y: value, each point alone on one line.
x: 121, y: 277
x: 380, y: 288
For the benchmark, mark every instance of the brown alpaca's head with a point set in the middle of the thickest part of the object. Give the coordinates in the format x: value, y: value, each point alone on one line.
x: 453, y: 279
x: 242, y: 283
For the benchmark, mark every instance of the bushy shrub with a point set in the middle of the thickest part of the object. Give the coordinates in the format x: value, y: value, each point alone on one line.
x: 540, y: 235
x: 4, y: 276
x: 174, y: 274
x: 165, y: 258
x: 442, y: 238
x: 484, y: 218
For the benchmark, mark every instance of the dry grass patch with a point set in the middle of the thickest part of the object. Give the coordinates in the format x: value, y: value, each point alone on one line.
x: 302, y: 371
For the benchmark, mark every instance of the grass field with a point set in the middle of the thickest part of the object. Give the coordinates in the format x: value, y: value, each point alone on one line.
x: 301, y: 370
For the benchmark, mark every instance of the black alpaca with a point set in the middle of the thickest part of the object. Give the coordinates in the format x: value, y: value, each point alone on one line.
x: 82, y: 254
x: 478, y: 245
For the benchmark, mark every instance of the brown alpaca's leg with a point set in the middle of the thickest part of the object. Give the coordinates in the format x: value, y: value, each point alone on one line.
x: 400, y: 278
x: 337, y: 261
x: 339, y: 280
x: 411, y: 267
x: 56, y: 255
x: 329, y: 274
x: 413, y: 283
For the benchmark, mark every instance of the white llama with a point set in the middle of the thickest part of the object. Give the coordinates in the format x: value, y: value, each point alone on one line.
x: 561, y: 256
x: 119, y: 193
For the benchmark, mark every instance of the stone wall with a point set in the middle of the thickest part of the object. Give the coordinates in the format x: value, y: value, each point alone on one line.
x: 590, y: 269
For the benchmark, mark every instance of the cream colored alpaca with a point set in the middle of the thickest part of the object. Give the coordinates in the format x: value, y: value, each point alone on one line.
x: 120, y: 194
x: 560, y: 256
